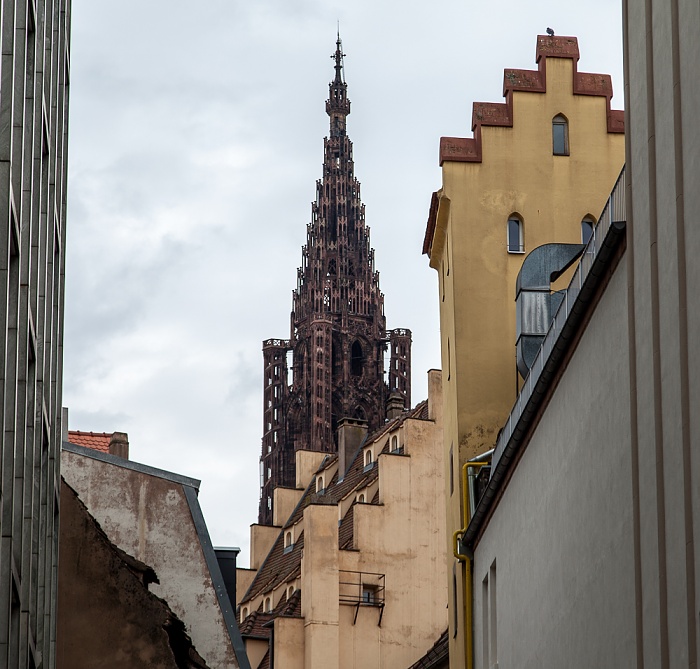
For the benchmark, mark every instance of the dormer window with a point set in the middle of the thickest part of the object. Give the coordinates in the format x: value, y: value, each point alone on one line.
x: 361, y: 498
x: 394, y: 443
x: 560, y: 135
x: 368, y: 459
x: 288, y: 541
x: 244, y: 613
x: 268, y: 605
x: 320, y: 487
x: 290, y: 591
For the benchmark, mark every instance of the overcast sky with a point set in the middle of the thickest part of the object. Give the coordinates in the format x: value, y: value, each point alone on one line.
x: 196, y: 138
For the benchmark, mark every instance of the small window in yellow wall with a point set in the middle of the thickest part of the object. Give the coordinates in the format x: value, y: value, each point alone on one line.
x: 560, y: 135
x: 587, y: 225
x: 516, y: 242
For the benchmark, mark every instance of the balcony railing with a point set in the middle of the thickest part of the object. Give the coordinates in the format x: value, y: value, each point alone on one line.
x: 362, y: 588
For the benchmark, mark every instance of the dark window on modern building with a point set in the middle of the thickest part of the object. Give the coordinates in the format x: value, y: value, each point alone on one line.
x: 560, y: 136
x: 587, y: 225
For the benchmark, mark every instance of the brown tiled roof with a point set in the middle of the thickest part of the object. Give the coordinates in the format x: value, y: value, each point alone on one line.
x: 345, y: 531
x: 265, y: 662
x: 437, y: 657
x: 255, y: 625
x: 96, y: 440
x: 277, y: 568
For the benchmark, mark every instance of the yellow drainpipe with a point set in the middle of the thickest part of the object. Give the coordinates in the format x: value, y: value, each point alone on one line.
x: 468, y: 606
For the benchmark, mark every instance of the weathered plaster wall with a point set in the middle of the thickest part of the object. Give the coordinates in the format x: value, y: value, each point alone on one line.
x: 149, y: 518
x: 106, y: 615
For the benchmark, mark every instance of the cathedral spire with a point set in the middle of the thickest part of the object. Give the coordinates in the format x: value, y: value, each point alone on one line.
x: 338, y: 336
x: 338, y: 105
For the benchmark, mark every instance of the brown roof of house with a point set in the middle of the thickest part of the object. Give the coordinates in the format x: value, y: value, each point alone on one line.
x: 438, y: 657
x: 99, y: 441
x: 279, y: 567
x: 345, y: 530
x: 255, y: 625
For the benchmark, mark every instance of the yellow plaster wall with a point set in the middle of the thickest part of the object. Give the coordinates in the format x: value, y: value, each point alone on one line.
x: 552, y: 194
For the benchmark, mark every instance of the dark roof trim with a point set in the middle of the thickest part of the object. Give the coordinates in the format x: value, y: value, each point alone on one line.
x: 509, y: 456
x: 227, y: 609
x: 130, y: 464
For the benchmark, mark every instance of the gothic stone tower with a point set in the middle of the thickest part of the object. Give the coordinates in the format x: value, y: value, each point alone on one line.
x: 338, y: 331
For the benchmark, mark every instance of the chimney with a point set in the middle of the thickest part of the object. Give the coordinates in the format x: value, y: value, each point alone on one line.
x: 119, y: 445
x: 394, y: 405
x: 351, y: 433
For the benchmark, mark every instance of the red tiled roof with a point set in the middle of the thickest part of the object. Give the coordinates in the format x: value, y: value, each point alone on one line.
x: 438, y: 657
x: 99, y: 441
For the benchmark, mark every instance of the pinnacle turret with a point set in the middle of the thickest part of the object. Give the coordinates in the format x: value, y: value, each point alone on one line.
x: 338, y: 105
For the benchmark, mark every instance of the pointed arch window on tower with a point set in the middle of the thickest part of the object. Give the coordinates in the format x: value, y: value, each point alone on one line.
x: 357, y: 359
x: 560, y: 135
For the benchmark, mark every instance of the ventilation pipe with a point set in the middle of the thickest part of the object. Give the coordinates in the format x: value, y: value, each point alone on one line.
x: 535, y: 303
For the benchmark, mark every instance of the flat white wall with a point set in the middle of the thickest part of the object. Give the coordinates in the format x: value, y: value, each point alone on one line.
x: 561, y: 536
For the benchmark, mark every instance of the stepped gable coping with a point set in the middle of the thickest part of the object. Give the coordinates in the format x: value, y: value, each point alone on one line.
x: 468, y: 149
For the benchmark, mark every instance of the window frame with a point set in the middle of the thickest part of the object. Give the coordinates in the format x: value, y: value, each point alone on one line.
x: 519, y: 246
x: 560, y: 124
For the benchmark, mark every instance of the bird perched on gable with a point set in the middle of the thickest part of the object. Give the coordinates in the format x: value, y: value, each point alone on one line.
x: 550, y: 32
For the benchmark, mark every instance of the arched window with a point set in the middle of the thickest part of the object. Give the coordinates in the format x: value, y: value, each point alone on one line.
x: 357, y: 359
x: 244, y: 613
x: 368, y: 458
x: 587, y: 225
x: 515, y: 234
x: 560, y: 135
x: 361, y: 499
x: 290, y: 591
x: 288, y: 539
x: 319, y: 484
x: 394, y: 443
x: 268, y: 605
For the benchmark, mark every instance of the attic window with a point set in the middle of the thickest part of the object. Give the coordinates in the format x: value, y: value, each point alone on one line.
x: 361, y: 498
x: 560, y: 135
x: 320, y: 488
x: 268, y: 605
x: 288, y: 541
x: 244, y: 613
x: 290, y: 591
x: 394, y: 443
x: 368, y: 459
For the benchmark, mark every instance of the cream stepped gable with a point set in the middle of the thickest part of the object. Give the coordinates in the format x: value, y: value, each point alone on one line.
x: 537, y: 171
x: 353, y: 573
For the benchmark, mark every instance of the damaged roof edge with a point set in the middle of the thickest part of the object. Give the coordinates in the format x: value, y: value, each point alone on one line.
x: 227, y: 607
x: 130, y: 464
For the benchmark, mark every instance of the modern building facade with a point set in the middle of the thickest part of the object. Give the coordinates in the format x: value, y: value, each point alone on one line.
x: 338, y: 333
x: 537, y: 171
x: 33, y: 159
x: 353, y: 572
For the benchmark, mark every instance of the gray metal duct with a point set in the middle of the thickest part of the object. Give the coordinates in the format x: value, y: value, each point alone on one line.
x: 535, y: 304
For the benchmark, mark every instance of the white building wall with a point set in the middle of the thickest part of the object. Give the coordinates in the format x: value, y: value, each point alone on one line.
x: 561, y: 536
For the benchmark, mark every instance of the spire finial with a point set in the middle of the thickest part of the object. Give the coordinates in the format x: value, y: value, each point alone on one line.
x: 338, y: 57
